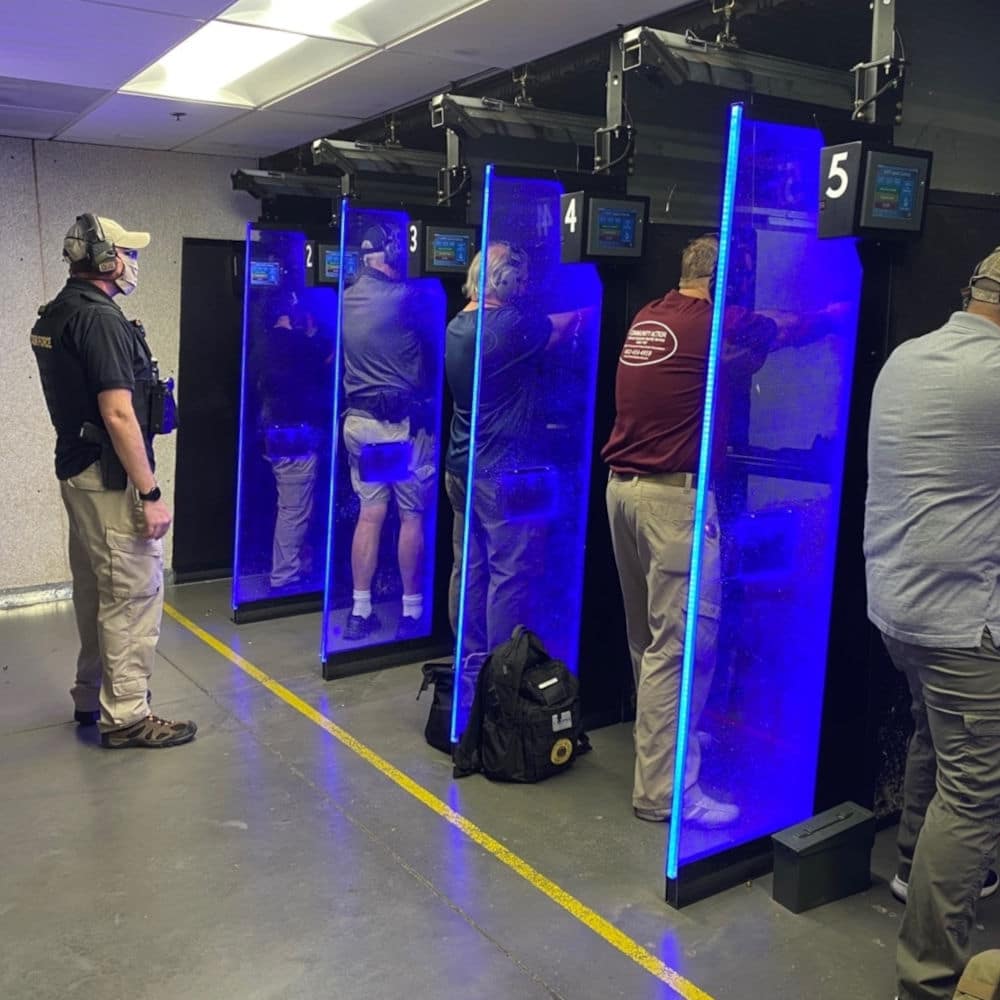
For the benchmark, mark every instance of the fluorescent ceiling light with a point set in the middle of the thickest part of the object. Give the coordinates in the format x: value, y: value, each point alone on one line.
x: 204, y: 65
x: 307, y: 17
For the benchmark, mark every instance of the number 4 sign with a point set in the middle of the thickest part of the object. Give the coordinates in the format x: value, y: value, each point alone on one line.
x: 571, y: 226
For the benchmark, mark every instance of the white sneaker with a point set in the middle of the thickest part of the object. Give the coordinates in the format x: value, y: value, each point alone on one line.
x: 702, y: 810
x: 899, y: 888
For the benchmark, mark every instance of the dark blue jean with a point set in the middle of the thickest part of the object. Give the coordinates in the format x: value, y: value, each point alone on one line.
x: 504, y: 566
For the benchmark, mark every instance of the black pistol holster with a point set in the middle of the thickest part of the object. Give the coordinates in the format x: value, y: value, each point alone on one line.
x: 113, y: 474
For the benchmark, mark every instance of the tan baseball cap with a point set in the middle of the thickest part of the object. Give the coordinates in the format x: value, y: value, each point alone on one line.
x: 981, y: 978
x: 78, y: 236
x: 984, y: 285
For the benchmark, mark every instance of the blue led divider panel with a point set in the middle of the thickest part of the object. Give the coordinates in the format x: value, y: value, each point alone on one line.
x: 384, y: 474
x: 768, y: 501
x: 521, y: 365
x: 285, y: 414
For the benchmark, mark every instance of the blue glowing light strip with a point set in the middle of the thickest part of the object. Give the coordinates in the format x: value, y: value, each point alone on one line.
x: 335, y: 430
x: 704, y: 467
x: 242, y: 431
x: 477, y: 365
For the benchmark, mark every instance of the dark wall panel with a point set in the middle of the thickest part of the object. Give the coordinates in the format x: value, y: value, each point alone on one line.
x: 208, y: 403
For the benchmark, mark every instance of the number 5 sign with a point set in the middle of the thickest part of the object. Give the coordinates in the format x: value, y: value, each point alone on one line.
x: 839, y: 188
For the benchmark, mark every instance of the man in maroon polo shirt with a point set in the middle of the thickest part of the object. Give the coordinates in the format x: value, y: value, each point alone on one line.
x: 653, y: 453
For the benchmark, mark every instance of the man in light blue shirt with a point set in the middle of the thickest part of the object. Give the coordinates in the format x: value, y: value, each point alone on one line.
x: 932, y: 552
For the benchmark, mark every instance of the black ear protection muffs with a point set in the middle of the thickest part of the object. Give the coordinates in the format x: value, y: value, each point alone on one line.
x: 505, y: 279
x: 391, y: 247
x: 101, y: 254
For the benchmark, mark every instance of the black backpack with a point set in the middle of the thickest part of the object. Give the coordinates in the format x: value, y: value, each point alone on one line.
x: 525, y: 720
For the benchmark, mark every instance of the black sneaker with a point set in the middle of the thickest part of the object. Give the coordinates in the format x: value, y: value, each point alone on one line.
x: 92, y: 718
x: 151, y: 732
x: 409, y: 628
x: 360, y: 628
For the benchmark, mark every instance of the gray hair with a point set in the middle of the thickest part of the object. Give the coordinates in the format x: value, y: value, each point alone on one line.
x: 699, y: 259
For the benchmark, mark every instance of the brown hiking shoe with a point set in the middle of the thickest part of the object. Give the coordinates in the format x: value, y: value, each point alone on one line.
x: 152, y: 732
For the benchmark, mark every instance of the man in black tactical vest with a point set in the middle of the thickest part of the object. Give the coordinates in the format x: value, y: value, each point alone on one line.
x: 106, y: 402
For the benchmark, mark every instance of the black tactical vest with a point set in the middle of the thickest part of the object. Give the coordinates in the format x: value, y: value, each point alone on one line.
x: 69, y: 395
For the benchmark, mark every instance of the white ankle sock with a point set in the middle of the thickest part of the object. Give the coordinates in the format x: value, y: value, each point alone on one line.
x: 362, y: 603
x: 413, y: 605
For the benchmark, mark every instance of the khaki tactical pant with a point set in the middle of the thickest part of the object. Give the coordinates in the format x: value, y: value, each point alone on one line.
x: 651, y: 530
x: 117, y: 597
x: 961, y: 692
x: 295, y: 479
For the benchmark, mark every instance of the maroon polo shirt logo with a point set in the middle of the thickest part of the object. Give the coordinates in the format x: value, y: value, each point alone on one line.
x: 648, y: 343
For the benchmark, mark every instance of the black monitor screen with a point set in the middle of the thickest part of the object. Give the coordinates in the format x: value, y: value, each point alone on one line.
x: 266, y: 273
x: 615, y: 228
x: 330, y: 264
x: 448, y: 250
x: 895, y: 187
x: 895, y: 192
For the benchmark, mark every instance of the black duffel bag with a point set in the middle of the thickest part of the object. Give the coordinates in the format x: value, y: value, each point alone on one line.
x: 441, y: 675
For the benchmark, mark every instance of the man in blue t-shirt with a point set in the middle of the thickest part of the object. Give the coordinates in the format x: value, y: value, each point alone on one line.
x: 504, y: 549
x: 292, y: 362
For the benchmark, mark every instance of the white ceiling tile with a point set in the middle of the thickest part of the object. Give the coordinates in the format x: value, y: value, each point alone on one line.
x: 262, y: 133
x: 385, y: 81
x: 30, y: 123
x: 510, y: 32
x: 147, y: 122
x: 202, y: 9
x: 47, y: 96
x: 80, y: 43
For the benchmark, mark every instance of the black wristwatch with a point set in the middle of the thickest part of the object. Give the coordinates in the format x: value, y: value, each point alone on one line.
x: 152, y: 496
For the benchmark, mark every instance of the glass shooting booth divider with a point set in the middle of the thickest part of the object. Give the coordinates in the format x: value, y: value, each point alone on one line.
x: 384, y: 472
x: 521, y: 363
x: 284, y: 431
x: 767, y: 510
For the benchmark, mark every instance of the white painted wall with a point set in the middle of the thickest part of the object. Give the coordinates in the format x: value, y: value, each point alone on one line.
x: 43, y: 187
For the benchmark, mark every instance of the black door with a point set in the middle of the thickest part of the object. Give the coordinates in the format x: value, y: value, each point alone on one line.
x: 208, y: 396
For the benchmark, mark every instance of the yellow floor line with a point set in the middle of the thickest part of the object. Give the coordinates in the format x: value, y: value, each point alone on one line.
x: 594, y: 921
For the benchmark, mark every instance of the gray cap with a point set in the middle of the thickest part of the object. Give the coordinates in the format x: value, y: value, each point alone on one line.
x: 77, y: 238
x: 984, y: 285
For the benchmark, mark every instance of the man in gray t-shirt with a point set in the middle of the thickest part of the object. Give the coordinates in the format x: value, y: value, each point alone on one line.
x: 388, y: 432
x: 932, y: 551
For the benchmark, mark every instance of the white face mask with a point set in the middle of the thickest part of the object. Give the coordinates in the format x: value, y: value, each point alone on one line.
x: 129, y: 278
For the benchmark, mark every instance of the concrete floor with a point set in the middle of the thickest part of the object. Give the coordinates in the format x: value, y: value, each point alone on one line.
x: 266, y: 860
